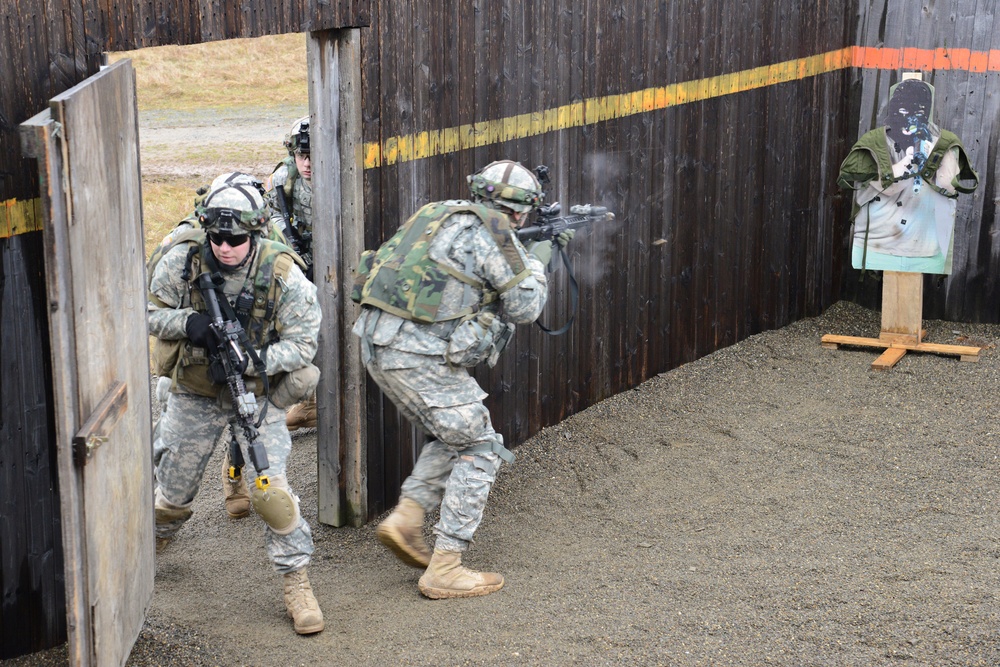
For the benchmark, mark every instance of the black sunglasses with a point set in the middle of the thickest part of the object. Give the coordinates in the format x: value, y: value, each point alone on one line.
x: 233, y: 241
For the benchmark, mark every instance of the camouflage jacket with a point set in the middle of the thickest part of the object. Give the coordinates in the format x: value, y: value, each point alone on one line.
x: 520, y: 301
x: 289, y: 327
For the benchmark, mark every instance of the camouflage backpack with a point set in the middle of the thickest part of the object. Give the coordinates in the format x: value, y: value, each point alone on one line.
x: 401, y: 278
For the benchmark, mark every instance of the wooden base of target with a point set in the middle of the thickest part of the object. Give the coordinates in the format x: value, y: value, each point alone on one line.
x: 902, y: 304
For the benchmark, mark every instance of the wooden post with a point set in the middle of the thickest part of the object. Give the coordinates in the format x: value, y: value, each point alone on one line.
x: 902, y: 306
x: 902, y: 313
x: 334, y: 62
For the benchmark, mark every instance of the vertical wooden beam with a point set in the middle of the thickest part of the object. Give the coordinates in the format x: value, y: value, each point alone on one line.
x: 334, y: 63
x: 38, y: 140
x: 902, y: 307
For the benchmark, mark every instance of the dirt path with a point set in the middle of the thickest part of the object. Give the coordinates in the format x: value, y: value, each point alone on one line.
x: 773, y: 503
x: 188, y: 143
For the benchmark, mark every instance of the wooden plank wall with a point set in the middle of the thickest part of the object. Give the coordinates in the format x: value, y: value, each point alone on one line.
x: 728, y: 215
x: 31, y: 562
x: 965, y: 103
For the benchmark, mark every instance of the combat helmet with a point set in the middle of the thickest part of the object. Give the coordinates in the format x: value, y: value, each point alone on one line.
x: 236, y: 178
x: 297, y: 139
x: 232, y: 208
x: 508, y: 184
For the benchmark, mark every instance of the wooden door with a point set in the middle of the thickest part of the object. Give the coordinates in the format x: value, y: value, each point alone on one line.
x: 88, y: 158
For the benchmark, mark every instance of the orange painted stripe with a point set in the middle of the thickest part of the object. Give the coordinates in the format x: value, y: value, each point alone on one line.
x: 867, y: 57
x: 18, y: 217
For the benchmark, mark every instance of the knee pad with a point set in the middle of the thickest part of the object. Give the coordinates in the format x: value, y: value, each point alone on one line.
x: 277, y: 507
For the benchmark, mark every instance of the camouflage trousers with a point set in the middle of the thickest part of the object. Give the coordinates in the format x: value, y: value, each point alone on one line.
x: 447, y: 403
x: 188, y: 431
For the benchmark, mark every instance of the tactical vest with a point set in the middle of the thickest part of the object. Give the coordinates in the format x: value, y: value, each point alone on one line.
x: 255, y: 306
x: 401, y: 277
x: 869, y: 161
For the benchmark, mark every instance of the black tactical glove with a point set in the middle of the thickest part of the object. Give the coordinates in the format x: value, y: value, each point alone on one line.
x: 199, y: 332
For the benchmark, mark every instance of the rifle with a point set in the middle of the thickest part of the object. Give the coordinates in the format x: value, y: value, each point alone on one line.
x: 550, y: 224
x: 228, y: 362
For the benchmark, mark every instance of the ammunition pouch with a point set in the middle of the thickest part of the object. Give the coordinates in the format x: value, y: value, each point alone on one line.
x: 295, y: 386
x: 478, y: 339
x: 195, y: 373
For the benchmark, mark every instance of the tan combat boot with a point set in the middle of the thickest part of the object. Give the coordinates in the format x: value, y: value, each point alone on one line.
x: 402, y: 532
x: 301, y: 603
x: 302, y: 415
x: 235, y: 493
x: 447, y: 578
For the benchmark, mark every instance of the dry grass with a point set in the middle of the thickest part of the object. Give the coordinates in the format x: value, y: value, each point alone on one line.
x: 261, y: 72
x: 164, y: 204
x: 206, y: 161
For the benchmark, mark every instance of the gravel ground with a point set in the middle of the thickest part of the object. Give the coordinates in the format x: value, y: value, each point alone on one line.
x: 772, y: 503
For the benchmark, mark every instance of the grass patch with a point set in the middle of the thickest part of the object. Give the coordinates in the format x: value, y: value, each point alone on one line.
x: 265, y: 71
x: 165, y: 202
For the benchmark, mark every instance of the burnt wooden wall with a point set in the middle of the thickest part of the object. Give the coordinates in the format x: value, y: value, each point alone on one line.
x: 729, y: 220
x: 955, y: 45
x: 32, y: 583
x: 46, y: 47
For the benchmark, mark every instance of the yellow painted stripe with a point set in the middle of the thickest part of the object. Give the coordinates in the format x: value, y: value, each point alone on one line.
x: 610, y: 107
x: 18, y: 217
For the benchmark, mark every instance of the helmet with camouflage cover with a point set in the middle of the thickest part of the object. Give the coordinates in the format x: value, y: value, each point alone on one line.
x: 237, y: 177
x: 233, y: 208
x: 297, y: 139
x: 508, y: 184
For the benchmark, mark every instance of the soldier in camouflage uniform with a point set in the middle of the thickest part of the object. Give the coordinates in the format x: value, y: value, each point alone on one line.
x: 268, y: 293
x: 440, y: 296
x: 235, y: 494
x: 289, y: 196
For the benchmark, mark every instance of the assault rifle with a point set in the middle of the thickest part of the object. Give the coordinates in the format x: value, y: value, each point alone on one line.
x: 550, y: 225
x: 233, y: 352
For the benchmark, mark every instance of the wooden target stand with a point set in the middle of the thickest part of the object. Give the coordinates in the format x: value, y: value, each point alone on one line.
x: 902, y: 308
x: 902, y: 332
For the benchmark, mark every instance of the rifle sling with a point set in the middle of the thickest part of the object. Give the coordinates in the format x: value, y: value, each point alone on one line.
x: 574, y: 296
